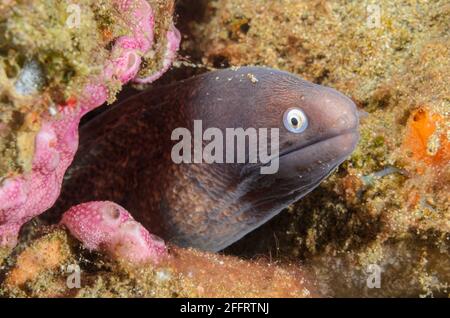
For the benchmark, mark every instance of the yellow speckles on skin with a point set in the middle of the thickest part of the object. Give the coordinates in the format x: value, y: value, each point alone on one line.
x: 252, y: 78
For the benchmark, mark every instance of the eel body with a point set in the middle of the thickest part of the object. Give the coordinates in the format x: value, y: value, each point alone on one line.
x: 126, y: 154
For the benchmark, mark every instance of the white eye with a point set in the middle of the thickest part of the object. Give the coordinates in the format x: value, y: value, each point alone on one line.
x: 295, y: 120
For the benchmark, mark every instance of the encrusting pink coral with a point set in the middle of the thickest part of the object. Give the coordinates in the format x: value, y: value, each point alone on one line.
x: 173, y: 41
x: 28, y: 195
x: 108, y: 227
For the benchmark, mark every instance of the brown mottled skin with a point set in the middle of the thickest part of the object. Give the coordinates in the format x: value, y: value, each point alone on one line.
x: 125, y: 154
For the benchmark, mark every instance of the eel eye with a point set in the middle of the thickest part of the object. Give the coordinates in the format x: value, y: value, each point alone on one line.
x: 295, y: 120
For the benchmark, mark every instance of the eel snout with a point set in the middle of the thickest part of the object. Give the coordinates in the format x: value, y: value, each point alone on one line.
x: 337, y: 114
x: 331, y: 136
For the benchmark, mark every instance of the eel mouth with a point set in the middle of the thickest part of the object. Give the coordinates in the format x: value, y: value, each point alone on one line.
x: 347, y: 140
x: 318, y: 158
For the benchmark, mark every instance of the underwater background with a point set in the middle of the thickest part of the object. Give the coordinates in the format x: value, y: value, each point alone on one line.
x: 387, y: 206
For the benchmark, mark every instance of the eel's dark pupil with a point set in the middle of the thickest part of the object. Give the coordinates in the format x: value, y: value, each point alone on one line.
x: 294, y: 121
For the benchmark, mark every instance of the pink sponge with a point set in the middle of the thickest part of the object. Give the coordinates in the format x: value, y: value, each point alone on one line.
x: 25, y: 196
x: 107, y: 227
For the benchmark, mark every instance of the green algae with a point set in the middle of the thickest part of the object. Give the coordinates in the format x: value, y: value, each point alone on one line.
x: 39, y: 32
x: 153, y: 60
x: 4, y: 253
x: 69, y: 41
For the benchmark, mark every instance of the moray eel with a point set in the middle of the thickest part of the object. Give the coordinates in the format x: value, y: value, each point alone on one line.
x: 126, y: 153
